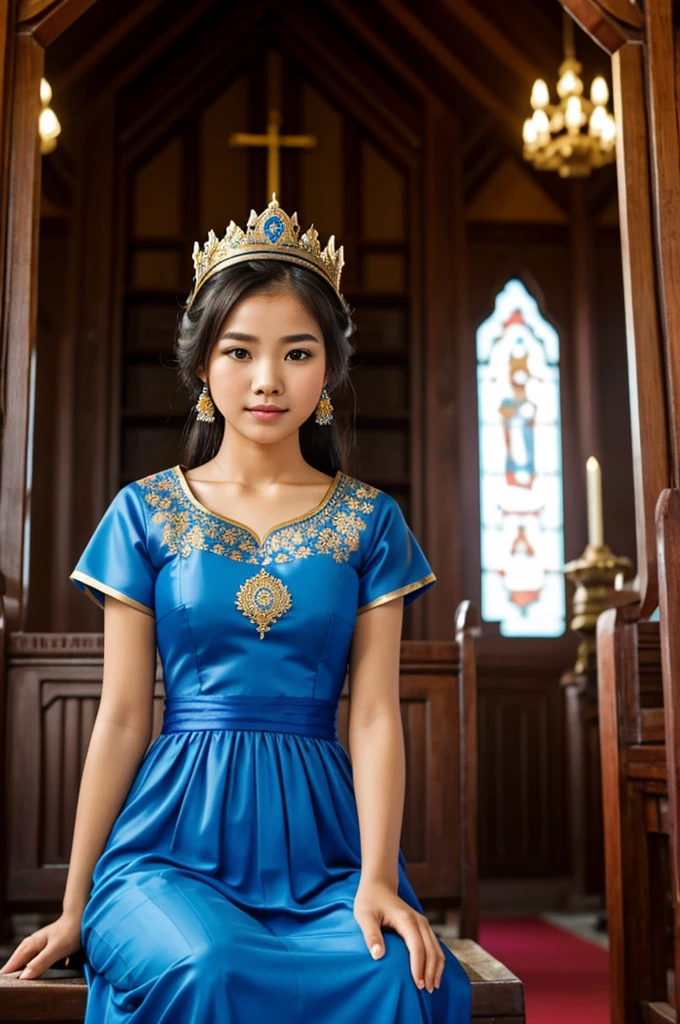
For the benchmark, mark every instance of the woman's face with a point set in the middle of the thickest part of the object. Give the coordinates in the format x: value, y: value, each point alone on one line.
x: 270, y: 351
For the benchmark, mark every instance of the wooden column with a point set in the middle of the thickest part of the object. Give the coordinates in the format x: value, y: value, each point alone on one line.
x: 7, y: 12
x: 618, y: 27
x: 94, y: 373
x: 19, y: 323
x: 26, y: 28
x: 443, y: 241
x: 668, y: 527
x: 34, y: 24
x: 645, y: 359
x: 662, y: 75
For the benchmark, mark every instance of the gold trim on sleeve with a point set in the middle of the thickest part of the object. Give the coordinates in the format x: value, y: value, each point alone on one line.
x: 90, y: 581
x: 430, y: 578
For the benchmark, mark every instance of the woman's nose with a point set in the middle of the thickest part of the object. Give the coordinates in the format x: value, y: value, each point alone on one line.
x: 266, y: 378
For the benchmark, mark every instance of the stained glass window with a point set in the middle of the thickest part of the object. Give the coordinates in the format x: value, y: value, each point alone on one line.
x: 520, y: 448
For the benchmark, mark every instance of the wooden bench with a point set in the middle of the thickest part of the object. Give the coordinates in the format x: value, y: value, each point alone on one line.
x: 635, y: 811
x: 497, y: 995
x: 639, y: 701
x: 668, y: 555
x: 53, y: 687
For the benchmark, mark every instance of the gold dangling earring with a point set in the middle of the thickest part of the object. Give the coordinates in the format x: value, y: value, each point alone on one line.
x: 204, y: 406
x: 324, y: 409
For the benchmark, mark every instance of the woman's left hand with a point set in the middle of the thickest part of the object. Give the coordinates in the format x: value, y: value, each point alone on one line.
x: 376, y: 904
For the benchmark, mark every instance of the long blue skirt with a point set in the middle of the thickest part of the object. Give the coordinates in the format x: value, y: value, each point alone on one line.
x: 225, y: 893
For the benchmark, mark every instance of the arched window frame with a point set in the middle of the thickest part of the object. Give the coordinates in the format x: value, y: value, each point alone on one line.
x: 521, y: 474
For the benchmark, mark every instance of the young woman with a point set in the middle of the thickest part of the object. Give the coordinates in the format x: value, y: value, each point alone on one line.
x: 241, y: 867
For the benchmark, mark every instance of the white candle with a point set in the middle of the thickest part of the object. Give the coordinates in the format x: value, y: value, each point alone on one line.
x: 594, y: 481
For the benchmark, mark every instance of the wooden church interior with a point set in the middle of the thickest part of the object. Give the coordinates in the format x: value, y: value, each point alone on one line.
x: 541, y: 765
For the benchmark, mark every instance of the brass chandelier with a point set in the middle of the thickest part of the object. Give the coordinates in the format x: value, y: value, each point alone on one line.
x: 576, y: 134
x: 48, y: 122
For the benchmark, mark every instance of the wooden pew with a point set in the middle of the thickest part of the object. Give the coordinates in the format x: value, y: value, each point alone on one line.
x: 497, y: 995
x: 53, y: 692
x: 640, y: 725
x: 668, y: 554
x: 635, y: 811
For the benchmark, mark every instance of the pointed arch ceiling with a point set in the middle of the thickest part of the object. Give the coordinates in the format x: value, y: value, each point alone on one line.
x: 478, y: 58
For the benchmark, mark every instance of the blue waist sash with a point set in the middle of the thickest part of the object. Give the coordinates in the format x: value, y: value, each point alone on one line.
x: 304, y: 715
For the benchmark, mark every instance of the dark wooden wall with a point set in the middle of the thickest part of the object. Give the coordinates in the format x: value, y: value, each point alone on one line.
x: 419, y: 173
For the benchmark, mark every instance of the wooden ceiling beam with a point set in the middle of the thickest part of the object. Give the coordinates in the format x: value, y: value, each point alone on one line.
x: 383, y: 103
x: 45, y: 20
x: 29, y: 9
x: 171, y: 95
x: 378, y: 44
x: 625, y: 11
x: 98, y: 48
x: 509, y: 128
x: 545, y: 40
x: 175, y: 29
x: 498, y: 44
x: 368, y: 110
x: 485, y: 96
x: 611, y: 23
x: 485, y: 126
x: 478, y: 172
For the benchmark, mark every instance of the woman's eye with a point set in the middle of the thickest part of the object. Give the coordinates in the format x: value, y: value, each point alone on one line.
x: 232, y: 352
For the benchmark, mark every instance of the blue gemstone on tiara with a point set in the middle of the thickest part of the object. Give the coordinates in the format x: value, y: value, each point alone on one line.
x: 273, y: 229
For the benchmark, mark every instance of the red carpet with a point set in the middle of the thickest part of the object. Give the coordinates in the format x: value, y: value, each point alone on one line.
x: 566, y: 978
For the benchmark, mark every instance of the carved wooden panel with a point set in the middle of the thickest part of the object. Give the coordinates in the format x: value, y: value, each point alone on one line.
x: 54, y: 684
x: 431, y: 824
x: 521, y: 775
x: 51, y: 711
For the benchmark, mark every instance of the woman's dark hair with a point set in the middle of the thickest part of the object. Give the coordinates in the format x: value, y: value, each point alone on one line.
x: 198, y: 331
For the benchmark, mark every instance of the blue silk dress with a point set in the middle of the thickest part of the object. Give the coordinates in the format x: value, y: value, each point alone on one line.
x: 224, y: 892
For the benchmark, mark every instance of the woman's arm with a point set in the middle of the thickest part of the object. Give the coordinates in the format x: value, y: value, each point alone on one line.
x: 376, y: 739
x: 120, y: 738
x: 376, y: 742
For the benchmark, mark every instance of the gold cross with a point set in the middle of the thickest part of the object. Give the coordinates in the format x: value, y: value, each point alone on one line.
x: 273, y: 141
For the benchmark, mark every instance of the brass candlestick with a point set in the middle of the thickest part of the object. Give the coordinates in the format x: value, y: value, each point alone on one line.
x: 599, y: 576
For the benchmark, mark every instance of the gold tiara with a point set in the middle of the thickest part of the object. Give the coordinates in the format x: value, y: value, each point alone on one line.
x: 270, y: 235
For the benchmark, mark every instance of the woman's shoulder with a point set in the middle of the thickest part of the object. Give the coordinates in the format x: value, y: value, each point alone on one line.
x: 157, y: 491
x: 366, y: 497
x: 162, y: 480
x: 364, y: 508
x: 157, y: 477
x: 363, y: 486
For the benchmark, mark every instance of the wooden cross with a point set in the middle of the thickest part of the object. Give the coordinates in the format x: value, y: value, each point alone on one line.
x: 273, y: 141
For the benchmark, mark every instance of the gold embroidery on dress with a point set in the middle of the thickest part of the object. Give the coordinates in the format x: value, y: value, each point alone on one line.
x: 263, y: 599
x: 332, y: 530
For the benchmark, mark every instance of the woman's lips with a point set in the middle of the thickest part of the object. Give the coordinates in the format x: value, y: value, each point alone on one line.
x: 266, y: 416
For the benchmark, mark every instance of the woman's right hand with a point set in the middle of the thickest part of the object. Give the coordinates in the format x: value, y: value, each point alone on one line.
x: 41, y: 949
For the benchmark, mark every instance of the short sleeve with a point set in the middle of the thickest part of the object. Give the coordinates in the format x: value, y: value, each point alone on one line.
x: 394, y: 563
x: 116, y: 560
